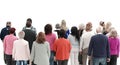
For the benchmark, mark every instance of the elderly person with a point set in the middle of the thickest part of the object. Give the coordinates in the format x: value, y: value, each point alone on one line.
x: 99, y: 48
x: 21, y: 52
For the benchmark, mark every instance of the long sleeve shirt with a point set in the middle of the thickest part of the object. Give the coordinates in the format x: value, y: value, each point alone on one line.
x: 85, y: 40
x: 8, y: 43
x: 51, y: 39
x: 114, y: 45
x: 62, y: 48
x: 21, y: 50
x: 99, y: 46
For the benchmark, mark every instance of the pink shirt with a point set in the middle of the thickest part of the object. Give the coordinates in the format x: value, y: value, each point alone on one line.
x: 114, y: 45
x: 8, y: 43
x: 21, y: 50
x: 51, y: 38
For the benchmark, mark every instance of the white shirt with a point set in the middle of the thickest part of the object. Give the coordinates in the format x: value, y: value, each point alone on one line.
x: 21, y: 50
x: 85, y: 40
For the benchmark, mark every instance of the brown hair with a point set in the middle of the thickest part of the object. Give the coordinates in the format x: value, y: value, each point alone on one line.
x: 40, y: 38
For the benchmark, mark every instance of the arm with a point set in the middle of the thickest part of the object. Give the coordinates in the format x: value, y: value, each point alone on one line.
x: 28, y: 51
x: 118, y: 47
x: 90, y: 48
x: 13, y: 51
x: 4, y: 44
x: 32, y: 52
x: 108, y: 51
x: 48, y: 49
x: 81, y: 43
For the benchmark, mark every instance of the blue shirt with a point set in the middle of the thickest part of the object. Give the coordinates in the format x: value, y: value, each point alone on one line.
x: 99, y: 46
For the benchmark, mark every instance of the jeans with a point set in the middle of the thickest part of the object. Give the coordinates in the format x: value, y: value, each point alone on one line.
x: 52, y: 58
x: 21, y: 62
x: 97, y: 61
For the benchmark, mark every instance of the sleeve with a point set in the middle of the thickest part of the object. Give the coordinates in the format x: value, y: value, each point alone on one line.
x: 33, y: 52
x: 54, y: 48
x: 28, y: 50
x: 4, y: 44
x: 13, y: 51
x: 81, y: 43
x: 108, y: 49
x: 70, y: 46
x: 90, y: 48
x: 118, y: 47
x: 48, y: 49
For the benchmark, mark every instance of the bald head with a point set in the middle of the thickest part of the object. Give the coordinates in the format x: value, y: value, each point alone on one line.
x: 99, y: 29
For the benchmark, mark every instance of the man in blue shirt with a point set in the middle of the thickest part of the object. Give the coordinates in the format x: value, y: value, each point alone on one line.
x: 99, y: 48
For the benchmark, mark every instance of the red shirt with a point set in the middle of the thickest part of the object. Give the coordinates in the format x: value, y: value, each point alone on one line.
x: 62, y: 48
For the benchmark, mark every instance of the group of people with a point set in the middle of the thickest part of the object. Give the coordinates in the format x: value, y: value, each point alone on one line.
x: 73, y: 46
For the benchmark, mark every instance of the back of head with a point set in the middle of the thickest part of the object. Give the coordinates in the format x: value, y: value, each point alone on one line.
x: 40, y: 38
x: 99, y: 29
x: 102, y: 23
x: 21, y: 34
x: 57, y: 26
x: 48, y: 29
x: 113, y: 33
x: 81, y: 26
x: 62, y: 33
x: 74, y: 30
x: 12, y: 30
x: 89, y: 26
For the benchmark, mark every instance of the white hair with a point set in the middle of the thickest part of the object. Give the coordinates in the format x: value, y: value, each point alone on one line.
x: 99, y: 29
x: 21, y: 34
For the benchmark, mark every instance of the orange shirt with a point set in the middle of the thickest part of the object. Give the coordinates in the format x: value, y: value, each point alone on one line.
x: 62, y: 49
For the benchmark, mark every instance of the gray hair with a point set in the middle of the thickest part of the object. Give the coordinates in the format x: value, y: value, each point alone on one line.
x: 21, y: 34
x: 99, y: 29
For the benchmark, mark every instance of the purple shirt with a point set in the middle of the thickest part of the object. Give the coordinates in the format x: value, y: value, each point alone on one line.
x: 8, y: 43
x: 114, y: 45
x: 51, y: 39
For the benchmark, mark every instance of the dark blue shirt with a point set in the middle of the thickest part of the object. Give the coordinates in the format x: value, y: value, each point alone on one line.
x: 4, y: 32
x: 99, y: 46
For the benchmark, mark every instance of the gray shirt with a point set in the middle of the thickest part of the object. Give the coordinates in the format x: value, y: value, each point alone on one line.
x: 40, y: 53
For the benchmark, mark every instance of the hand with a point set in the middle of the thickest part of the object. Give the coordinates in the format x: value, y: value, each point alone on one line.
x: 80, y: 52
x: 54, y: 58
x: 89, y: 57
x: 108, y: 59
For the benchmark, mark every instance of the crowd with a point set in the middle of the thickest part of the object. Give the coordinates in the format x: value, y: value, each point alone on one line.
x: 70, y: 46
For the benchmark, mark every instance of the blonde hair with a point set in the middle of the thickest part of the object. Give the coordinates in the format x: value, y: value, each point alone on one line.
x: 113, y: 33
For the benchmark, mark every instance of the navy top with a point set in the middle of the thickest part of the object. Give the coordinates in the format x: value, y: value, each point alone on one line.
x: 99, y: 46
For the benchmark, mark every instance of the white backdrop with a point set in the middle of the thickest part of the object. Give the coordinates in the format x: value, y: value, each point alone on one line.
x: 53, y: 11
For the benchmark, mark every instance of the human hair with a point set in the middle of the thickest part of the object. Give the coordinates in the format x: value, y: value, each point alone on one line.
x: 12, y: 30
x: 99, y: 29
x: 48, y: 29
x: 113, y: 33
x: 62, y: 33
x: 21, y: 34
x: 74, y: 32
x: 29, y: 19
x: 89, y: 26
x: 40, y: 38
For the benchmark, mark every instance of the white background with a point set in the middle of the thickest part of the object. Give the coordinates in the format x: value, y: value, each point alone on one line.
x: 53, y: 11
